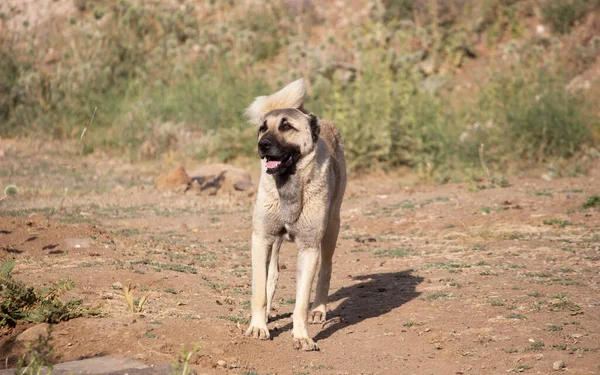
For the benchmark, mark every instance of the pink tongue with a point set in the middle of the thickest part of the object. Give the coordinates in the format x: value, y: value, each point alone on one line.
x: 273, y: 164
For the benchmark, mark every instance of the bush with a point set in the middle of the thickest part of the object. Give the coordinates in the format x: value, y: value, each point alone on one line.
x: 19, y: 302
x: 532, y: 117
x: 563, y: 14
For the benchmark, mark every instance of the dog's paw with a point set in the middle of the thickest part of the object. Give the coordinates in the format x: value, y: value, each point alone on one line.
x: 258, y: 332
x: 305, y: 344
x: 317, y: 316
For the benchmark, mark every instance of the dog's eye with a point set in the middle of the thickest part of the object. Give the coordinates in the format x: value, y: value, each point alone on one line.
x: 263, y: 128
x: 285, y: 126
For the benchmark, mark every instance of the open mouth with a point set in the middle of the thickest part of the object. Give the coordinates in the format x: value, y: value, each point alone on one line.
x: 277, y: 164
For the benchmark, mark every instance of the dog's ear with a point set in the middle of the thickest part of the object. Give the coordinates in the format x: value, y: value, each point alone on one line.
x: 291, y: 96
x: 315, y: 128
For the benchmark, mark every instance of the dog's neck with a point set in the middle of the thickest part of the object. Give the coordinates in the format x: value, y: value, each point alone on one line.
x: 290, y: 187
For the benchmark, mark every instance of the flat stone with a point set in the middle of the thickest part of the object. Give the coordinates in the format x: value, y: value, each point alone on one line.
x: 32, y: 334
x: 157, y: 370
x: 558, y: 365
x: 100, y: 365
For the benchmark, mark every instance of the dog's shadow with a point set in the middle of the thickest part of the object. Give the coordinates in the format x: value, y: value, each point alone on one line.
x: 378, y: 294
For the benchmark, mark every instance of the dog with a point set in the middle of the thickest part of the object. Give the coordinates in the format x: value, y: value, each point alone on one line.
x: 299, y: 197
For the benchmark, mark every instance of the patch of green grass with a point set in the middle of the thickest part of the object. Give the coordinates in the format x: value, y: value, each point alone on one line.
x: 512, y: 350
x: 538, y: 274
x: 436, y: 296
x: 128, y: 232
x: 592, y: 201
x: 234, y: 319
x: 288, y: 301
x: 481, y: 263
x: 535, y: 346
x: 170, y: 290
x: 557, y: 222
x: 516, y: 316
x: 399, y: 252
x: 554, y: 328
x: 158, y: 266
x: 543, y: 193
x: 497, y: 303
x: 22, y: 303
x: 535, y: 294
x: 413, y: 324
x: 560, y: 346
x: 522, y: 368
x: 566, y: 270
x: 562, y: 15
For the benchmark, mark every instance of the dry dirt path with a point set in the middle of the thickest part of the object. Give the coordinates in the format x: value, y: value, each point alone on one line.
x: 453, y: 279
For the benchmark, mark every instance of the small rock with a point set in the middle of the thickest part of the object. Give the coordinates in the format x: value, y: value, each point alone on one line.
x: 221, y: 363
x: 175, y: 178
x: 78, y: 243
x: 117, y: 285
x: 33, y: 333
x: 558, y: 365
x: 243, y: 185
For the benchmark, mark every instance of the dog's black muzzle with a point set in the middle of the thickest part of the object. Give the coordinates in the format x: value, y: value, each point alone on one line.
x: 280, y: 158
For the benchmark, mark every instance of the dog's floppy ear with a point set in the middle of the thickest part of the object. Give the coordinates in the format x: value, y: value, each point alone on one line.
x: 315, y: 128
x: 291, y: 96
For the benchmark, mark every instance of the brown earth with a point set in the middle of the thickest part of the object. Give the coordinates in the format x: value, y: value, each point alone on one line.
x: 460, y: 278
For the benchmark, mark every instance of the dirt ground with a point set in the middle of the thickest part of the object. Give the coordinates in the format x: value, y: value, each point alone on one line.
x: 453, y: 279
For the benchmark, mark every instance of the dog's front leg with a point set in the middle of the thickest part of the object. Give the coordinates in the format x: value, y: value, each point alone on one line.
x: 308, y: 259
x: 262, y: 246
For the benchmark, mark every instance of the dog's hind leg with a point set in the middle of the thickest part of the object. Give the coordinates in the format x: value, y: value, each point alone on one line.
x: 273, y: 274
x: 319, y: 306
x: 262, y: 246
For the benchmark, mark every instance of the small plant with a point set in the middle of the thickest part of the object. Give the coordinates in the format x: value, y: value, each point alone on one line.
x: 557, y: 222
x: 413, y: 324
x: 135, y: 306
x: 560, y: 346
x: 37, y: 356
x: 391, y: 253
x: 512, y: 350
x: 536, y: 346
x: 563, y: 14
x: 10, y: 191
x: 182, y: 366
x: 516, y: 316
x: 436, y: 296
x: 170, y: 290
x: 20, y: 302
x: 554, y: 328
x: 592, y: 201
x: 497, y: 303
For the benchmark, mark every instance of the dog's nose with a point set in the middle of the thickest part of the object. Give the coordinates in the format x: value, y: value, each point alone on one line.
x: 264, y: 145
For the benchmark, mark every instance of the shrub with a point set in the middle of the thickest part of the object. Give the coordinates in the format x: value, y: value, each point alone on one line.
x: 21, y: 302
x: 563, y: 14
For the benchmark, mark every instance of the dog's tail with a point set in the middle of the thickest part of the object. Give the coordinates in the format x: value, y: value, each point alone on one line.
x: 291, y: 96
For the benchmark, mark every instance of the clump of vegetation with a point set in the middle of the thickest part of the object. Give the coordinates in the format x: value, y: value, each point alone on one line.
x: 563, y: 14
x: 134, y: 305
x: 9, y: 191
x: 592, y: 201
x: 182, y: 365
x: 557, y: 222
x: 20, y: 302
x: 38, y: 356
x: 161, y: 80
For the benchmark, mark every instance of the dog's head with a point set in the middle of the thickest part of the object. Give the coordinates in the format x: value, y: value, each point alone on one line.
x: 286, y: 132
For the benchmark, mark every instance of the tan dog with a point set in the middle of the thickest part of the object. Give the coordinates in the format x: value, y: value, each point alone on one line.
x: 299, y: 197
